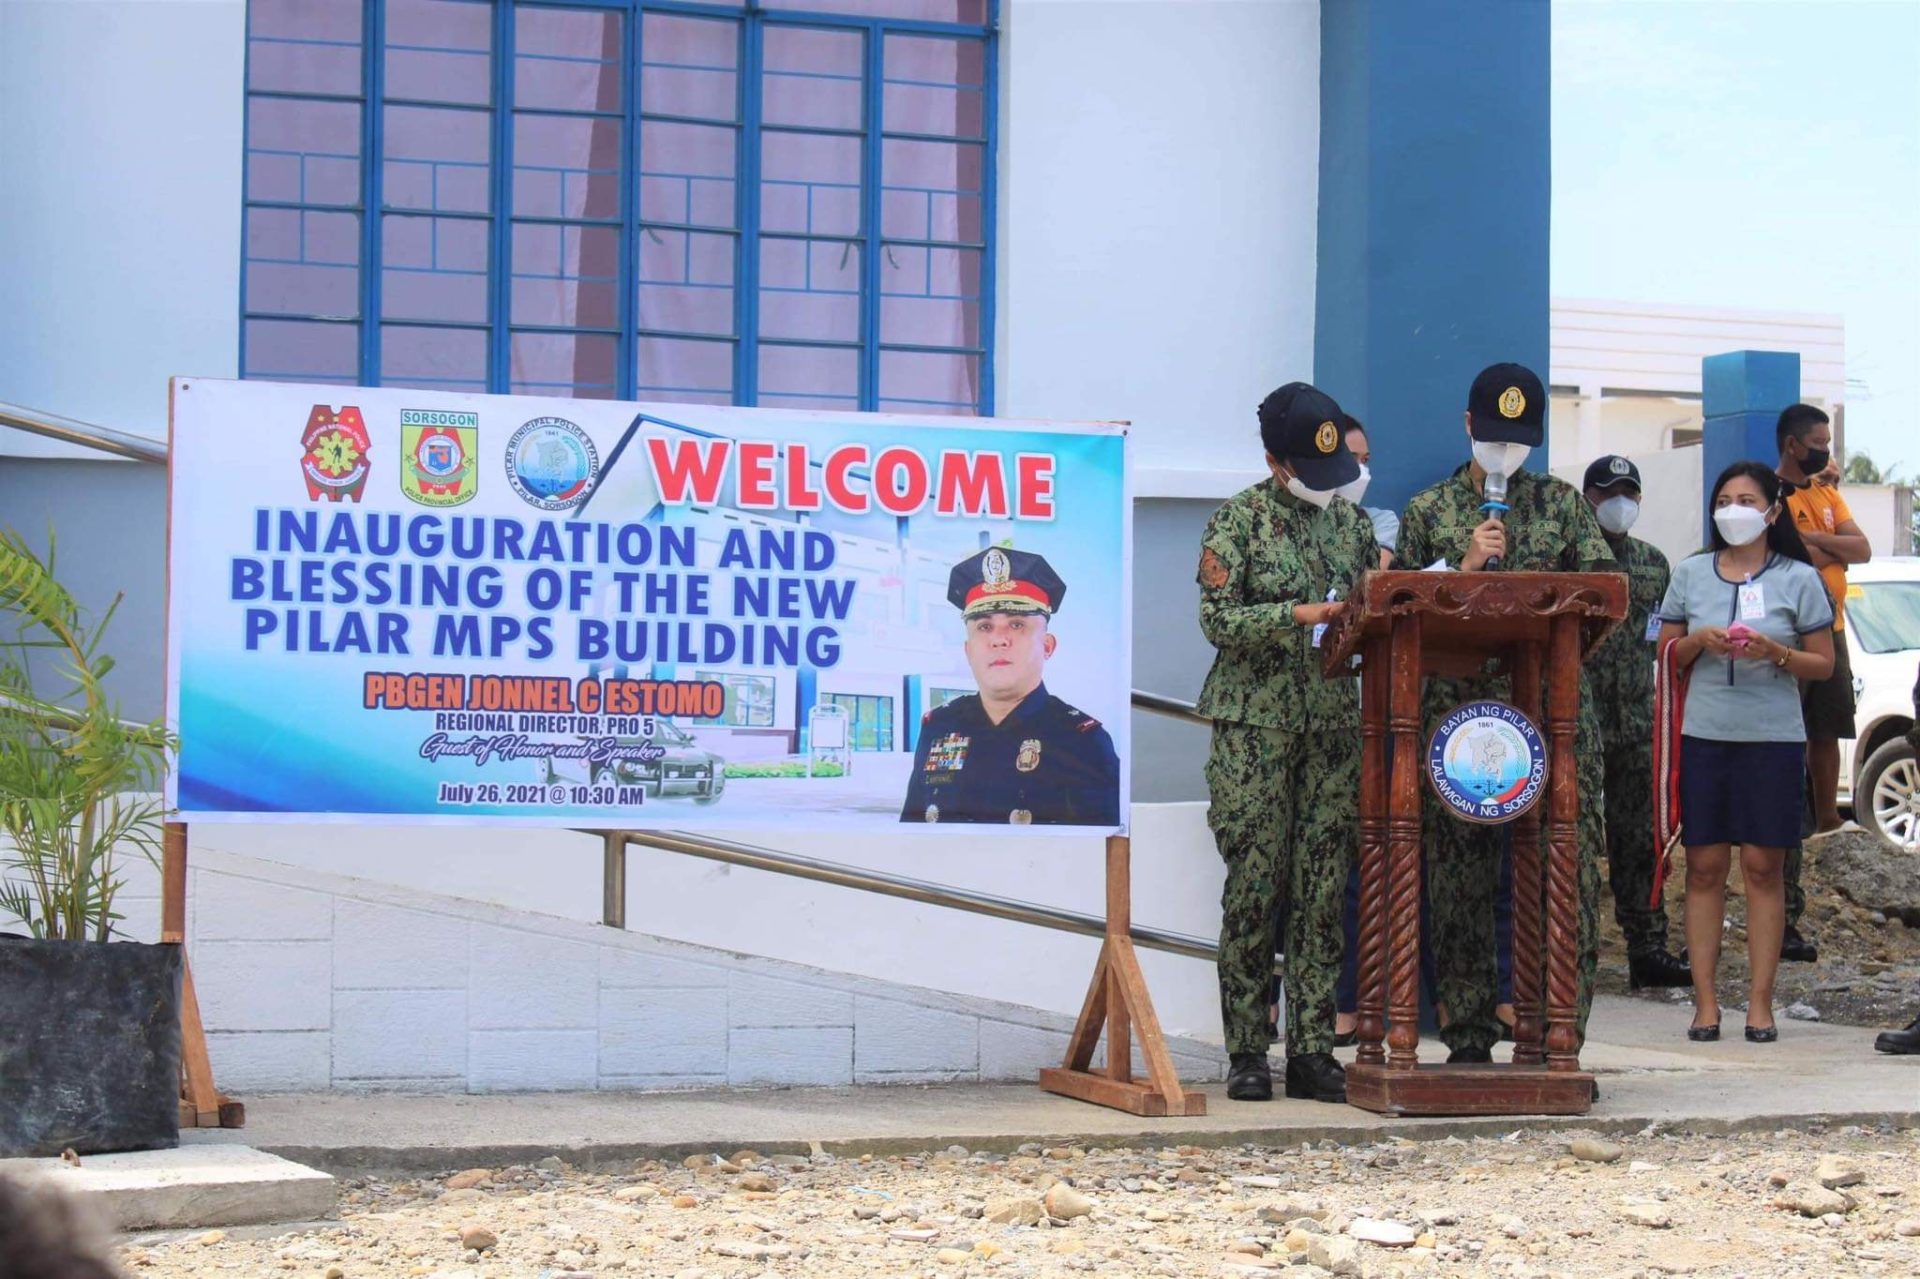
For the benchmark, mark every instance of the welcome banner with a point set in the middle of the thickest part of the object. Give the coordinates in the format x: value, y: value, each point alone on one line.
x: 407, y: 606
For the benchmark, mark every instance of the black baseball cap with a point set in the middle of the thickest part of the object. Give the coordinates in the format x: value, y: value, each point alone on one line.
x: 1605, y: 472
x: 1508, y: 405
x: 1302, y: 426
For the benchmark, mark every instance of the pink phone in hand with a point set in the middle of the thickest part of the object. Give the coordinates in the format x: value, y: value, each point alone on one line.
x: 1738, y: 634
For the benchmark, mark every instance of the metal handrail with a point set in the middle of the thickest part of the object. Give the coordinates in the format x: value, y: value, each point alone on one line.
x: 139, y: 448
x: 872, y: 881
x: 1171, y: 707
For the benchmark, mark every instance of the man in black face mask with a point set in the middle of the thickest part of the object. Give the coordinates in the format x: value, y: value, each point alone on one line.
x: 1805, y: 439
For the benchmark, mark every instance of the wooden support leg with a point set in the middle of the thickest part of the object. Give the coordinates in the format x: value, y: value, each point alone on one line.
x: 1528, y: 1027
x: 1563, y: 851
x: 201, y: 1104
x: 1117, y: 999
x: 1371, y: 1023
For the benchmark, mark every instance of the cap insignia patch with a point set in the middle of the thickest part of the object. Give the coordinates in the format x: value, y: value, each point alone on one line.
x: 1620, y: 466
x: 994, y: 568
x: 1327, y: 438
x: 1512, y: 403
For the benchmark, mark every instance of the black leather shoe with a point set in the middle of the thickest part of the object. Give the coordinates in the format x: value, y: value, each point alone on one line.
x: 1346, y: 1038
x: 1704, y: 1034
x: 1249, y: 1078
x: 1762, y: 1034
x: 1657, y: 970
x: 1316, y: 1077
x: 1469, y: 1056
x: 1796, y: 949
x: 1899, y: 1042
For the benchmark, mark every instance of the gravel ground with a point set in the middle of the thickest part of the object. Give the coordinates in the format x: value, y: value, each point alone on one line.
x: 1868, y: 973
x: 1527, y: 1206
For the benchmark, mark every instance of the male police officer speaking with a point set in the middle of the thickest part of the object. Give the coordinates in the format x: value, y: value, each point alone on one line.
x: 1545, y: 527
x: 1013, y: 752
x: 1283, y: 771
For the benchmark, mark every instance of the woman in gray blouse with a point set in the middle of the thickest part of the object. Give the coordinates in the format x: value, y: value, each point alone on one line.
x: 1749, y: 619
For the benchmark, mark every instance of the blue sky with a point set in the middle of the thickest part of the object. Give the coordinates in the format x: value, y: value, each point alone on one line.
x: 1751, y: 153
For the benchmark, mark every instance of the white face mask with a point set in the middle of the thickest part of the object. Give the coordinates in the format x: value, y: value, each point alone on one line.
x: 1500, y: 459
x: 1354, y: 490
x: 1740, y: 524
x: 1313, y: 497
x: 1617, y: 514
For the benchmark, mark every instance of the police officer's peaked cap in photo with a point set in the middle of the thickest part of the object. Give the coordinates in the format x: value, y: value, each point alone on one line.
x: 1302, y: 426
x: 1003, y: 580
x: 1507, y: 405
x: 1605, y: 472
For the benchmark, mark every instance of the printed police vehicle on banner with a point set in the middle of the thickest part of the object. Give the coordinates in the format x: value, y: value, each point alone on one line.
x: 1487, y: 762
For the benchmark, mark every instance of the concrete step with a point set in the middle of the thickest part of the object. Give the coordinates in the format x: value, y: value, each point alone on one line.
x: 192, y: 1186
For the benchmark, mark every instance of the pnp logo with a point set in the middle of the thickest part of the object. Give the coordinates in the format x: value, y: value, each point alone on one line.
x: 337, y: 456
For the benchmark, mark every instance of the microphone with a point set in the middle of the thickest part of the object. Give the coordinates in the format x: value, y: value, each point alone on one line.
x: 1495, y: 504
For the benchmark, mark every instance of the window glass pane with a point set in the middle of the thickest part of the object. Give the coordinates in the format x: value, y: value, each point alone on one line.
x: 440, y: 359
x: 687, y: 174
x: 934, y: 86
x: 929, y: 297
x: 810, y: 183
x: 809, y: 377
x: 689, y: 66
x: 437, y: 159
x: 928, y: 382
x: 686, y: 281
x: 575, y: 364
x: 749, y: 701
x: 303, y: 152
x: 566, y: 276
x: 681, y: 369
x: 931, y: 190
x: 567, y: 59
x: 295, y: 351
x: 813, y: 77
x: 439, y: 51
x: 433, y: 269
x: 304, y: 46
x: 566, y: 166
x: 810, y: 289
x: 303, y: 262
x: 971, y: 11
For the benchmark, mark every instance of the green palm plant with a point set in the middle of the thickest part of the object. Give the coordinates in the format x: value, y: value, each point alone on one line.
x: 76, y: 780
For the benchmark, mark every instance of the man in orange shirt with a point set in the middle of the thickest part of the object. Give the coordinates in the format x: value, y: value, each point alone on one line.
x: 1805, y: 439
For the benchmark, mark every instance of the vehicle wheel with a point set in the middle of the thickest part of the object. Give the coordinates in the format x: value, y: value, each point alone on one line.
x: 718, y: 788
x: 1888, y: 801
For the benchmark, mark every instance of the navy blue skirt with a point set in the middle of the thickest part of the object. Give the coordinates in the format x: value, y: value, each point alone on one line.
x: 1741, y: 792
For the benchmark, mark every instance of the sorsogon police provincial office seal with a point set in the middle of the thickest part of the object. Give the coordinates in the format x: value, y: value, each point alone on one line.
x: 551, y: 463
x: 1487, y: 762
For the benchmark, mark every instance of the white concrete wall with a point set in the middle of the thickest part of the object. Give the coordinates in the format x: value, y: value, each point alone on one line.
x: 1160, y: 164
x: 311, y: 981
x: 1884, y: 513
x: 120, y: 139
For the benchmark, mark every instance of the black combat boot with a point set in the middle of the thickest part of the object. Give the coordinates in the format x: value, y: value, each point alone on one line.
x: 1796, y: 949
x: 1656, y: 969
x: 1249, y: 1078
x: 1316, y: 1077
x: 1470, y: 1056
x: 1900, y: 1042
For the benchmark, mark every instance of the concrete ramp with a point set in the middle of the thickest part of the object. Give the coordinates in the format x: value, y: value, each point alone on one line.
x: 193, y: 1186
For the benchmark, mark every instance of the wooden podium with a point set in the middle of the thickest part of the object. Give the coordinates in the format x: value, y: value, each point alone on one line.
x: 1405, y: 626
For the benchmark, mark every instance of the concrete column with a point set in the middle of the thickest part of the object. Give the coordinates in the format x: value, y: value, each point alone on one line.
x: 1742, y: 393
x: 1588, y: 435
x: 1435, y: 181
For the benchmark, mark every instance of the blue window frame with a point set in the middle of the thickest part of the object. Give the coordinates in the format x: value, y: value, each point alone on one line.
x: 784, y: 202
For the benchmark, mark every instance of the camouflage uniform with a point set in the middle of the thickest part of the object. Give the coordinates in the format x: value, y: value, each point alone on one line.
x: 1621, y: 673
x: 1550, y: 528
x: 1284, y: 768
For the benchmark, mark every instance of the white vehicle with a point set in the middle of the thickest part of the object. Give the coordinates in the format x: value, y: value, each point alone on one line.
x: 1883, y: 641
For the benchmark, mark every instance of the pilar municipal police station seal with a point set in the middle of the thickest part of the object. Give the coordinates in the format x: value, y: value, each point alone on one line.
x: 1487, y: 762
x: 551, y: 463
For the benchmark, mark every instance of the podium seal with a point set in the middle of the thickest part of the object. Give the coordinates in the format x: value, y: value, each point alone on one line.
x: 1487, y: 762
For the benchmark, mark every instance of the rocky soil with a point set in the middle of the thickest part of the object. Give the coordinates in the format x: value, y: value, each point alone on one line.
x: 1527, y: 1206
x: 1863, y: 914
